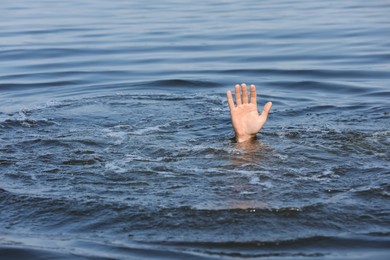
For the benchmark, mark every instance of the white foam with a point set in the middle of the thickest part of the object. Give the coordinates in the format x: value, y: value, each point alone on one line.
x: 247, y: 192
x: 116, y: 166
x: 147, y: 130
x: 254, y: 179
x: 118, y: 137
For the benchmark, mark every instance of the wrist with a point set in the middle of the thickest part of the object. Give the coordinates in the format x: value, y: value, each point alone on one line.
x: 244, y: 138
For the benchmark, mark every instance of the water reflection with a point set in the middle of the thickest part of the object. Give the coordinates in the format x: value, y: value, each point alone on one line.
x: 250, y: 205
x: 248, y: 161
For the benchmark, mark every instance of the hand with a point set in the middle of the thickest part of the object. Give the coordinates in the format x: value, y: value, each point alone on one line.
x: 245, y: 118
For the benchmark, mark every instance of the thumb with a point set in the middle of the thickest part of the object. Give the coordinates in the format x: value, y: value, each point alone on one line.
x: 266, y: 109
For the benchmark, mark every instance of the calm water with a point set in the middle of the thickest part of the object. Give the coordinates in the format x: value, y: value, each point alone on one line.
x: 116, y: 139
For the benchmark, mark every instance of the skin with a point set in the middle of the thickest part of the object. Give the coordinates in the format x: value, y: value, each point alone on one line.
x: 245, y: 117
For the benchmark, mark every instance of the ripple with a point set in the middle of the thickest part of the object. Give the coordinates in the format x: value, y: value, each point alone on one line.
x: 114, y: 127
x: 179, y: 83
x: 310, y: 73
x: 321, y: 87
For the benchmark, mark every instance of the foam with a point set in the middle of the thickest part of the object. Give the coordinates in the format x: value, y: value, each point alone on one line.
x: 116, y: 166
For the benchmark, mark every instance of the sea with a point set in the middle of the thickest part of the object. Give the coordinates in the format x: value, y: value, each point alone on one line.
x: 116, y: 139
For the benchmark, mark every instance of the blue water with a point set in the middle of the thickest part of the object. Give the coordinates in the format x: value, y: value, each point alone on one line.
x: 116, y: 141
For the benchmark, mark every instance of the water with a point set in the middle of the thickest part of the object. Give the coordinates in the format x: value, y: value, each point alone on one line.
x: 116, y: 139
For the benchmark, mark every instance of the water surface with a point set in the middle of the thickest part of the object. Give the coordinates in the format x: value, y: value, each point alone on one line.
x: 116, y: 140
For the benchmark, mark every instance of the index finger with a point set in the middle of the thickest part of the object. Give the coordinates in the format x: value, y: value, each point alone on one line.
x: 253, y: 95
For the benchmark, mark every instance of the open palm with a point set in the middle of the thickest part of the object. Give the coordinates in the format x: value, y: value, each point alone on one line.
x: 245, y: 117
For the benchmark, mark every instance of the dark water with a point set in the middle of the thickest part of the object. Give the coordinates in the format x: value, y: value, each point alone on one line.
x: 116, y: 139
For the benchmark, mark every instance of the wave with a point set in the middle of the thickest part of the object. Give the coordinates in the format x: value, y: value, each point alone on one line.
x: 326, y: 247
x: 330, y: 242
x: 321, y: 87
x: 180, y: 83
x: 316, y: 246
x: 20, y: 86
x: 73, y: 87
x: 308, y: 73
x: 379, y: 94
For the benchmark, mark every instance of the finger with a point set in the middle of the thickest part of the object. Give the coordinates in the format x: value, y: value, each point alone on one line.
x: 244, y: 94
x: 238, y: 94
x: 230, y: 99
x: 253, y: 95
x: 266, y: 110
